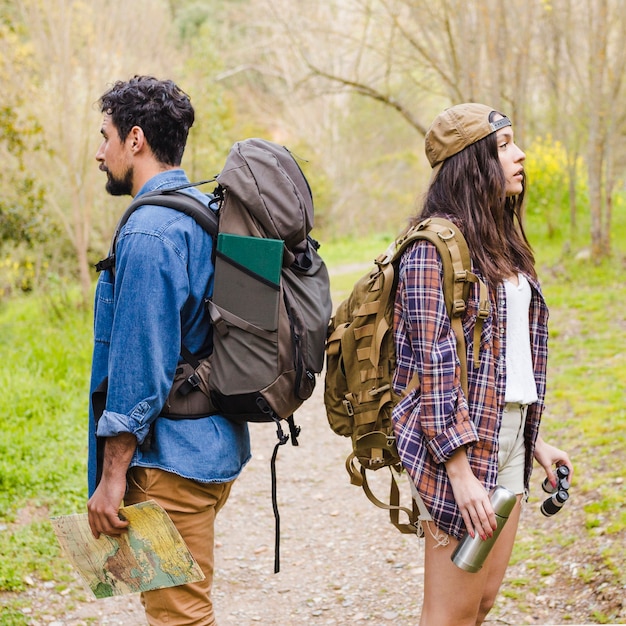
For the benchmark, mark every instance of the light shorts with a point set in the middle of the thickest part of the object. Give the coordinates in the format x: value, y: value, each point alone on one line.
x: 511, y: 455
x: 512, y: 452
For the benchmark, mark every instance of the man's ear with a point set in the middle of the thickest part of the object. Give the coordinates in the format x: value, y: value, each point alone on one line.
x: 136, y: 139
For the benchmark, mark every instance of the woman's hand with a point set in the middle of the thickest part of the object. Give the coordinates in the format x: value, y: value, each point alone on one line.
x: 471, y: 497
x: 547, y: 456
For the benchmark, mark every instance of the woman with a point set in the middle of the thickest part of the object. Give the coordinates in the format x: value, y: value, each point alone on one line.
x: 457, y: 448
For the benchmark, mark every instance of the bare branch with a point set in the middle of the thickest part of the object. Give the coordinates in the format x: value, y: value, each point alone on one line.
x: 374, y: 94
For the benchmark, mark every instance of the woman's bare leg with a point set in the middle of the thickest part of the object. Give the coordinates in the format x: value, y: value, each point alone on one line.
x: 454, y: 597
x: 498, y: 562
x: 451, y: 595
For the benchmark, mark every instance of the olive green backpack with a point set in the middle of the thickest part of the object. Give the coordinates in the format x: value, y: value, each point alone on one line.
x: 360, y: 358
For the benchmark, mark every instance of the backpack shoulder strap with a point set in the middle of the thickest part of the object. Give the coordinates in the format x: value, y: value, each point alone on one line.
x: 173, y: 199
x: 457, y: 276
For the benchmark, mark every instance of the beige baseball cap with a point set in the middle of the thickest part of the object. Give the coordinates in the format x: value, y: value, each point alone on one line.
x: 458, y: 127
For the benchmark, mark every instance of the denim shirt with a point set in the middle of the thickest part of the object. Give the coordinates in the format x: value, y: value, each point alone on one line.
x: 163, y: 275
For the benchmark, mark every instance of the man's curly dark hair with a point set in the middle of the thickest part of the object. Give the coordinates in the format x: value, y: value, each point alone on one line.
x: 159, y: 107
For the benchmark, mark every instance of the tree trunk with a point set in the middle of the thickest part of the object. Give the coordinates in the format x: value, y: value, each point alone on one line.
x: 597, y: 120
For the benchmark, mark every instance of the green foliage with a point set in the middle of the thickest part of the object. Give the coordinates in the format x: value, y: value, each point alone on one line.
x: 43, y: 418
x: 43, y: 404
x: 16, y: 273
x: 13, y: 617
x: 547, y: 173
x: 21, y: 199
x: 372, y: 170
x: 21, y: 195
x: 211, y: 134
x: 601, y: 618
x: 588, y: 344
x: 350, y: 259
x: 345, y: 252
x: 23, y: 222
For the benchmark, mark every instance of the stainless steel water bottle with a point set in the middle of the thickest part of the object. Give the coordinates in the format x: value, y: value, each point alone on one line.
x: 471, y: 552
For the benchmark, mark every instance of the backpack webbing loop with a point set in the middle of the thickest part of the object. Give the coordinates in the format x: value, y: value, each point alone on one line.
x: 413, y: 525
x: 282, y: 440
x: 294, y: 432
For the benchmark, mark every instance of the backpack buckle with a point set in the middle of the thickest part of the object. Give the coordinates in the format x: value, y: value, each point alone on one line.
x: 484, y: 308
x: 376, y: 449
x: 105, y: 264
x: 347, y: 405
x: 458, y: 308
x: 191, y: 384
x: 461, y: 277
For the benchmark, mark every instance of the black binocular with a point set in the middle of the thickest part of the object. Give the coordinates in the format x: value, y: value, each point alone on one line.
x: 558, y: 494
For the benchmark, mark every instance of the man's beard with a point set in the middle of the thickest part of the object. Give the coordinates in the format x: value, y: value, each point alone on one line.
x: 120, y: 186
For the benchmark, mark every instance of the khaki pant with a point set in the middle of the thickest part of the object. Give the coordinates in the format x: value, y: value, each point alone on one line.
x: 192, y: 506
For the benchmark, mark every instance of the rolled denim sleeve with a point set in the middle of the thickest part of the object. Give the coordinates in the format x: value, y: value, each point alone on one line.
x: 112, y: 424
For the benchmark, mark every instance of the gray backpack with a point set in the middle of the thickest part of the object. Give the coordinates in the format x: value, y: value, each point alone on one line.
x: 269, y: 331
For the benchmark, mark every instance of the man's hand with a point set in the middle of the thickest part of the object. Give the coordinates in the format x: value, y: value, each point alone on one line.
x: 103, y: 506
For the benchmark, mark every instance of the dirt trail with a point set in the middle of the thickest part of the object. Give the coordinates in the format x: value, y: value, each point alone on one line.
x: 342, y: 563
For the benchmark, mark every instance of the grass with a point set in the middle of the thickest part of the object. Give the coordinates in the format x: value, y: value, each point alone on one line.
x: 43, y: 420
x: 585, y: 416
x: 45, y: 346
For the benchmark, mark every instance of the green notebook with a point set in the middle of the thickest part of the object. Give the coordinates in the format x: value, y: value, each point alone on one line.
x: 261, y: 256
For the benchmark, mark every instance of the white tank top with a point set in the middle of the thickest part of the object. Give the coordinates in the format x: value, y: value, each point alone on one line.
x: 520, y: 378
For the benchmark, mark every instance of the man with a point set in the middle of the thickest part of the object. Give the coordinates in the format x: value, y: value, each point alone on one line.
x: 146, y: 307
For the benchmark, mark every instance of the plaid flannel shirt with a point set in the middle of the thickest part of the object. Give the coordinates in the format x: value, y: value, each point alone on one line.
x: 435, y: 419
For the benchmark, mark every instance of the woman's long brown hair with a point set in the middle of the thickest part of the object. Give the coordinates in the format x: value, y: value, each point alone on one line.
x: 470, y: 190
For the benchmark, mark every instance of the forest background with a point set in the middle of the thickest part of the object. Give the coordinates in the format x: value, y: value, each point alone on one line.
x: 350, y: 86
